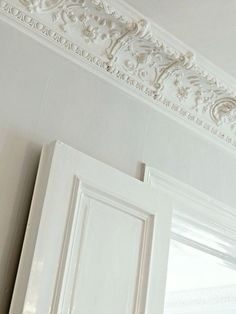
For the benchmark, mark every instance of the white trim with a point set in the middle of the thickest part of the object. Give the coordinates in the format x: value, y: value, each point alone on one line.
x: 195, y: 97
x: 210, y: 222
x: 184, y: 191
x: 208, y: 300
x: 199, y: 213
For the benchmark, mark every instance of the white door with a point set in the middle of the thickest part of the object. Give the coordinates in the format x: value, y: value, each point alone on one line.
x: 96, y: 242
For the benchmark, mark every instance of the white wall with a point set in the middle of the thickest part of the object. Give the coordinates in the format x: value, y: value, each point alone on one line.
x: 45, y: 97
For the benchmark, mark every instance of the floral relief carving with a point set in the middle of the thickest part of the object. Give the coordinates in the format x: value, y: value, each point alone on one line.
x: 127, y: 48
x: 203, y: 97
x: 88, y: 17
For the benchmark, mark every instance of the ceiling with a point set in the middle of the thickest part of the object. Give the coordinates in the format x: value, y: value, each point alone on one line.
x: 207, y: 26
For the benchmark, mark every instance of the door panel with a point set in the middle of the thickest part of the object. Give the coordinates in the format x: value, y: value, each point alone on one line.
x: 96, y: 243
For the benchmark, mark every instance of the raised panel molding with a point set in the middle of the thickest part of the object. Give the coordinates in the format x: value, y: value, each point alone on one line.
x: 96, y: 241
x: 94, y: 217
x: 120, y: 45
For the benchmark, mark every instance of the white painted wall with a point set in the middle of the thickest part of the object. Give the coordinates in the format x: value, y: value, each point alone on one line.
x: 45, y: 97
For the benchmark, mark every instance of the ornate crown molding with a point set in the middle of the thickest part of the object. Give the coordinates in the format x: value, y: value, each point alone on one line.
x: 121, y: 46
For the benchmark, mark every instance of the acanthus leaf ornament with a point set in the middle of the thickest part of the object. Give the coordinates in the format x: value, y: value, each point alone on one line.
x: 128, y: 48
x: 224, y: 111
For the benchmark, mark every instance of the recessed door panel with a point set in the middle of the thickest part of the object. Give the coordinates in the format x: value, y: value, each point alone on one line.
x: 96, y: 242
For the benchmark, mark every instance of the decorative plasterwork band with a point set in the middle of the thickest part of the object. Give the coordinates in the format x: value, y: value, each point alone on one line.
x: 125, y: 47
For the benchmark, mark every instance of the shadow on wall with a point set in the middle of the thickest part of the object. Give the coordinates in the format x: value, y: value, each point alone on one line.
x: 19, y: 159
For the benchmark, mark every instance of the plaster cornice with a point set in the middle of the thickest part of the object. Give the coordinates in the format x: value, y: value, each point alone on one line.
x: 120, y: 45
